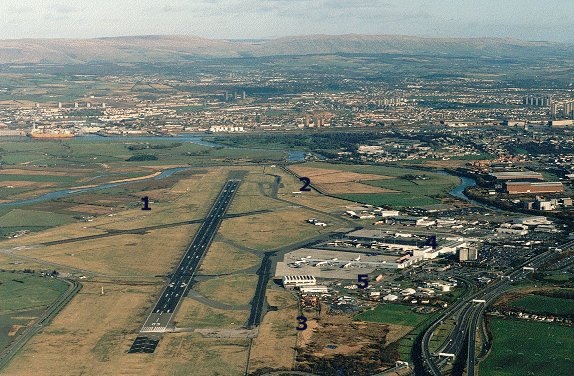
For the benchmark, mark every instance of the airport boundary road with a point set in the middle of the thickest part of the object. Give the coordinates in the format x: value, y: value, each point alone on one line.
x: 43, y: 320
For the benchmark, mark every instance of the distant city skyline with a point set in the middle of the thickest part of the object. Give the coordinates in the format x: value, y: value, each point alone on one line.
x: 241, y: 19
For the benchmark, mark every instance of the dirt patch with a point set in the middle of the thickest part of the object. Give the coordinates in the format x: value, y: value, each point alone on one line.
x: 517, y: 293
x: 90, y: 209
x: 25, y: 183
x: 397, y: 332
x: 341, y: 331
x: 325, y: 176
x: 338, y: 342
x: 14, y: 329
x: 21, y: 171
x: 275, y: 343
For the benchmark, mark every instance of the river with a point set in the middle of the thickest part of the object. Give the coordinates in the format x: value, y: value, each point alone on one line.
x: 66, y: 192
x: 292, y: 156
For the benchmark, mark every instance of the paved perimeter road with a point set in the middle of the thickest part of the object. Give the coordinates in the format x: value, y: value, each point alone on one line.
x: 161, y: 315
x: 44, y: 319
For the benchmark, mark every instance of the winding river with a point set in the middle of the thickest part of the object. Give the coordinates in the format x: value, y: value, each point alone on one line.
x: 292, y: 156
x: 66, y: 192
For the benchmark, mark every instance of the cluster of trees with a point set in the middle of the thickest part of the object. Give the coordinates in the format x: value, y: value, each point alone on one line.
x: 154, y: 146
x: 304, y: 141
x: 142, y: 157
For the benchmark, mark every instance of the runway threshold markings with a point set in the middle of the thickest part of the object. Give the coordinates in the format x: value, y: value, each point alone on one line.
x: 168, y: 302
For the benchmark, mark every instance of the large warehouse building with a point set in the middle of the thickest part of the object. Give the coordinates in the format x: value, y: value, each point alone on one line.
x: 517, y: 175
x: 533, y: 187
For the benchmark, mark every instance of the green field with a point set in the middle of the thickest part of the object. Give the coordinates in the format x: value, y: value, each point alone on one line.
x: 544, y: 305
x: 392, y: 314
x: 92, y: 152
x: 21, y: 291
x: 529, y: 348
x: 33, y: 218
x: 22, y: 297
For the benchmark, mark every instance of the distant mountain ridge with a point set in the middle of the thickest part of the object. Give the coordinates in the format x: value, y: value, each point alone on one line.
x: 158, y: 48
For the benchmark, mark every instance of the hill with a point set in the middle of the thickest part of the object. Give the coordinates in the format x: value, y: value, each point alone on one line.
x: 180, y: 48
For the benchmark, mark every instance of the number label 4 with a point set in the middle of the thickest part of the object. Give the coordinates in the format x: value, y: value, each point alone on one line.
x: 431, y: 241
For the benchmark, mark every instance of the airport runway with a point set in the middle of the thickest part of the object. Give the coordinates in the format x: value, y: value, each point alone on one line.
x: 160, y: 317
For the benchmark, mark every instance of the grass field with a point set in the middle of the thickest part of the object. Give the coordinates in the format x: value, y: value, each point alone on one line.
x: 544, y: 305
x: 225, y: 258
x: 92, y: 334
x: 529, y: 348
x: 22, y: 218
x: 271, y: 230
x: 19, y: 291
x: 408, y: 191
x: 276, y: 333
x: 23, y: 297
x: 392, y: 314
x: 193, y: 314
x: 233, y: 289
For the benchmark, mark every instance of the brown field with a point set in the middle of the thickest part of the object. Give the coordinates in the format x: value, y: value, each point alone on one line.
x: 271, y: 230
x: 22, y: 171
x: 326, y: 176
x: 225, y: 258
x: 351, y: 187
x: 92, y: 334
x: 90, y: 209
x: 397, y: 332
x: 359, y: 342
x: 338, y: 182
x: 193, y: 314
x: 342, y: 331
x: 273, y: 347
x: 136, y: 255
x: 237, y: 290
x: 14, y: 329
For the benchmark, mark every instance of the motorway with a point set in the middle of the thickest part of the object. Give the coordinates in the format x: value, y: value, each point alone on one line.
x: 179, y: 283
x: 468, y: 315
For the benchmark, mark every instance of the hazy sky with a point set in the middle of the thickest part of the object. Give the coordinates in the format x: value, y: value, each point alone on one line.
x: 524, y: 19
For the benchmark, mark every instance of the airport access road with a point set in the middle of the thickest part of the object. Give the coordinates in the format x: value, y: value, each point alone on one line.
x: 160, y: 317
x: 468, y: 315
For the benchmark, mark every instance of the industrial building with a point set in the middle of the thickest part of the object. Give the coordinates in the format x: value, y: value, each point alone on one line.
x: 517, y: 175
x: 533, y: 187
x: 467, y: 254
x: 293, y: 281
x: 314, y: 289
